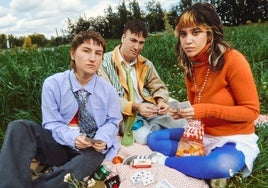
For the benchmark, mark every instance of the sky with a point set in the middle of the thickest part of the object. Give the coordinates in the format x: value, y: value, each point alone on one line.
x: 49, y: 17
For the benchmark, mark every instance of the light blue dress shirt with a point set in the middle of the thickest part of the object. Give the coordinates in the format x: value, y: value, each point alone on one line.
x: 59, y: 106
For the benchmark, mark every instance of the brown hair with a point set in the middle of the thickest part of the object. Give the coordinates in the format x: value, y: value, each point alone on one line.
x: 83, y: 36
x: 137, y: 27
x: 203, y: 15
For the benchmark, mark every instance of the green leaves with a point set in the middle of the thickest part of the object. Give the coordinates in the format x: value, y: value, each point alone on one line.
x: 21, y: 79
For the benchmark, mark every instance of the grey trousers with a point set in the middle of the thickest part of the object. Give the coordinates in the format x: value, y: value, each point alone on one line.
x: 26, y: 140
x: 153, y: 124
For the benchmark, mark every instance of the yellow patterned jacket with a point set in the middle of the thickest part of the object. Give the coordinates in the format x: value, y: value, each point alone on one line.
x: 150, y: 85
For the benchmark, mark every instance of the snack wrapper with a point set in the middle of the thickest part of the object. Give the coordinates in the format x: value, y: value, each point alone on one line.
x: 191, y: 143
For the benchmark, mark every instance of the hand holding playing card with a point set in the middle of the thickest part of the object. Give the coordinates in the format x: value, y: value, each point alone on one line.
x: 180, y: 109
x: 98, y: 145
x: 179, y: 105
x: 187, y: 113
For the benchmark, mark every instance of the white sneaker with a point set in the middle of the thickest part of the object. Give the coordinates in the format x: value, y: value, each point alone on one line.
x: 157, y: 158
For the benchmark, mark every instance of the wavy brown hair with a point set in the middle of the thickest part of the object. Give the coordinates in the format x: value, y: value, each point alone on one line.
x: 205, y: 16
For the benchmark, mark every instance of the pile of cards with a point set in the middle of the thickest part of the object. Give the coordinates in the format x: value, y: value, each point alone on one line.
x: 144, y: 177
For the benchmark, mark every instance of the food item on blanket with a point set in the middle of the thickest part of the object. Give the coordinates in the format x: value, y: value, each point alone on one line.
x: 191, y: 143
x: 117, y: 159
x: 141, y: 163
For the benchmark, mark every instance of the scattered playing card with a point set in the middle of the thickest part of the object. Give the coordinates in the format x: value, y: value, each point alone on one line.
x: 147, y: 178
x: 136, y: 178
x: 164, y: 184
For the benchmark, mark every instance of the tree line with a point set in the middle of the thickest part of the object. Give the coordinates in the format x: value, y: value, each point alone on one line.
x: 111, y: 25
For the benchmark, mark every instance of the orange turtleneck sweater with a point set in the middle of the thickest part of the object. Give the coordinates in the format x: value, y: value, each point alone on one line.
x: 229, y: 103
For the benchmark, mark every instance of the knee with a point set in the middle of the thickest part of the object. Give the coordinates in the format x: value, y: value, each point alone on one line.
x: 233, y: 165
x: 228, y: 164
x: 15, y: 124
x: 18, y: 126
x: 151, y: 140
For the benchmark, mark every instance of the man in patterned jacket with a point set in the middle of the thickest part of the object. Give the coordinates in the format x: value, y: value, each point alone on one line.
x: 145, y: 101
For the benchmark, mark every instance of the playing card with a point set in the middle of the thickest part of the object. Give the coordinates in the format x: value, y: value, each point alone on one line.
x: 136, y: 178
x: 147, y: 178
x: 174, y: 104
x: 164, y: 184
x: 185, y: 104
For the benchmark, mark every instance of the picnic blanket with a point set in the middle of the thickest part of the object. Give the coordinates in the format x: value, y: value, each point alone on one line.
x: 159, y: 172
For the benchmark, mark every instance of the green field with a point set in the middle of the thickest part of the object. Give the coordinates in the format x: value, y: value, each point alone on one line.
x: 23, y: 72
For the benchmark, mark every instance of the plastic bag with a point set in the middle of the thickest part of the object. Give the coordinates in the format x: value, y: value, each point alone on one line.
x: 191, y: 143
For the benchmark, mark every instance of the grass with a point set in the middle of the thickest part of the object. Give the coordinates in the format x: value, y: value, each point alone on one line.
x: 23, y: 73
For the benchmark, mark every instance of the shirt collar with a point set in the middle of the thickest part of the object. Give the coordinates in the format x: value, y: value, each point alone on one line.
x: 121, y: 59
x: 89, y: 87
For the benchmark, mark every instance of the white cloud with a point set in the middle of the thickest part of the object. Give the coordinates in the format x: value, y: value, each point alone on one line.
x: 7, y: 21
x: 24, y: 17
x: 24, y: 6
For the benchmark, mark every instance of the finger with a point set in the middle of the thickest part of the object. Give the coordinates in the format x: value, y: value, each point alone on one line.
x: 100, y: 144
x: 173, y: 109
x: 152, y: 107
x: 98, y: 149
x: 176, y: 117
x: 80, y: 146
x: 84, y: 142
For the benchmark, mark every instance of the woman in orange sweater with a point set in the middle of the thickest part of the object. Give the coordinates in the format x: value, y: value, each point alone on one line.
x: 221, y: 89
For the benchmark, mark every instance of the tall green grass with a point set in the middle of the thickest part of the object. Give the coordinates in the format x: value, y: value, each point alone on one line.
x: 23, y: 73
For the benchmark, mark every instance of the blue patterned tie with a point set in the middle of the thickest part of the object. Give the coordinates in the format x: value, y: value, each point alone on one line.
x: 86, y: 122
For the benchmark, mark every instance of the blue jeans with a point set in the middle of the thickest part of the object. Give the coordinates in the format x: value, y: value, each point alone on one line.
x: 26, y: 140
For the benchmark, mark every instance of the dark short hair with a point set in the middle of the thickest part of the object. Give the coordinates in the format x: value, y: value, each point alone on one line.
x: 87, y: 35
x: 136, y: 26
